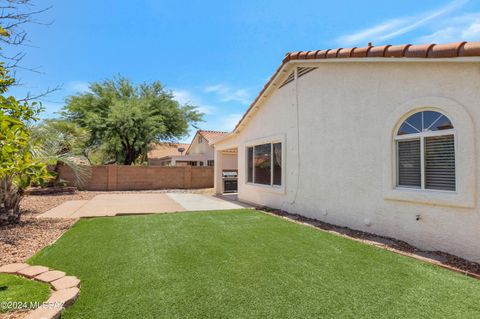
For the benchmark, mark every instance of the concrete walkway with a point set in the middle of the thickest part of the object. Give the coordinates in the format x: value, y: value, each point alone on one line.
x: 138, y: 203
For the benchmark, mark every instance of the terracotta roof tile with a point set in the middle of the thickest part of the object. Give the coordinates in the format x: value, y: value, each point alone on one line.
x: 361, y: 52
x: 396, y: 51
x: 378, y: 52
x: 450, y: 50
x: 165, y: 149
x: 302, y: 55
x: 332, y: 53
x: 418, y: 51
x: 345, y: 53
x: 312, y: 54
x: 321, y: 54
x: 470, y: 49
x: 211, y: 136
x: 294, y: 55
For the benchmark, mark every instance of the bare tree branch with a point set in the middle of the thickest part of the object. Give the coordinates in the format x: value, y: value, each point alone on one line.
x: 39, y: 96
x: 15, y: 15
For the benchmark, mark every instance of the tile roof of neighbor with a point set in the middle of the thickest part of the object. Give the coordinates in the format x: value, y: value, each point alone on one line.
x: 166, y: 149
x: 430, y: 51
x: 211, y: 136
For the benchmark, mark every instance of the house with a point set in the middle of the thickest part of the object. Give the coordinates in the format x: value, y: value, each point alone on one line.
x: 380, y: 138
x: 199, y: 152
x: 161, y: 151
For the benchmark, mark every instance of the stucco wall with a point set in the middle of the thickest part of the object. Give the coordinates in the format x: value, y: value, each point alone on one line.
x: 229, y: 161
x: 335, y: 162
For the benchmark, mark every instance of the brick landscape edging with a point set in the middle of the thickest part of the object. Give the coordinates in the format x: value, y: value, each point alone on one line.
x: 65, y: 289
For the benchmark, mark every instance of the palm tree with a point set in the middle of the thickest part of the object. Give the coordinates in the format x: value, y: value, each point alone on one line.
x: 58, y: 143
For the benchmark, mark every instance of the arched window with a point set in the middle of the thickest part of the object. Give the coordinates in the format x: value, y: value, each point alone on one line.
x: 426, y: 152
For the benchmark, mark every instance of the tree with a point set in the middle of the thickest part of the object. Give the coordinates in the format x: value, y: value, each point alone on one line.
x: 124, y: 119
x: 18, y: 168
x: 59, y: 143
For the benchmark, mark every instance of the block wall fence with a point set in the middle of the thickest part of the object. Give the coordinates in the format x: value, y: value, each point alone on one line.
x: 120, y: 178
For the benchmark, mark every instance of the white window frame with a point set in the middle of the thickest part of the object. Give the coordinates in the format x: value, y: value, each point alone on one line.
x: 465, y: 156
x: 421, y: 136
x: 270, y: 188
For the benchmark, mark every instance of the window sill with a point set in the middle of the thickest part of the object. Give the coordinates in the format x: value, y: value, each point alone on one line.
x: 430, y: 197
x: 267, y: 188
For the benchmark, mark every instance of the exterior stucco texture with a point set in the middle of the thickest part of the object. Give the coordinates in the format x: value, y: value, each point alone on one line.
x: 336, y: 126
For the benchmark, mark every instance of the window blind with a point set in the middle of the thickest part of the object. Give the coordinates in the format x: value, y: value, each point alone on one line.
x: 409, y: 163
x: 440, y: 163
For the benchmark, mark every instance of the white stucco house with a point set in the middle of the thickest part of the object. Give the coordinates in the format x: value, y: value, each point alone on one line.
x: 383, y: 139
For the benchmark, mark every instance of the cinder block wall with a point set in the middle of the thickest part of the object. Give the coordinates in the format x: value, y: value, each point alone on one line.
x: 118, y: 178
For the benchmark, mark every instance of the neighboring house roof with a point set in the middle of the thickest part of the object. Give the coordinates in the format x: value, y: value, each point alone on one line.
x: 162, y: 150
x: 210, y: 136
x: 405, y: 51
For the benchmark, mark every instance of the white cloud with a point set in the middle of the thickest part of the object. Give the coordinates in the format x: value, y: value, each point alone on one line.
x: 466, y: 27
x: 397, y: 27
x: 185, y: 97
x: 77, y: 86
x: 228, y: 94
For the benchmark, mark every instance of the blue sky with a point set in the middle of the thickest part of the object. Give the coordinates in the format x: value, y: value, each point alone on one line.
x: 217, y: 54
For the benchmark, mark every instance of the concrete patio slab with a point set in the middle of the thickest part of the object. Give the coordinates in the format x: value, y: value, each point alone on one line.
x: 115, y: 204
x: 141, y: 203
x: 193, y: 202
x: 65, y: 210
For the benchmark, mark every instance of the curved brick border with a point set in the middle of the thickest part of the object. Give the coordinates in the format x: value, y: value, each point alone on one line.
x: 65, y: 288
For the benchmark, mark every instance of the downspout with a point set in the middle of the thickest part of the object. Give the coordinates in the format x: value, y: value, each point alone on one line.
x: 297, y: 118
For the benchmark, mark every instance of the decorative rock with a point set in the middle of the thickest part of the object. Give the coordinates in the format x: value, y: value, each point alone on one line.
x: 66, y: 297
x: 50, y: 276
x: 32, y: 271
x: 13, y: 268
x: 65, y: 282
x: 45, y: 312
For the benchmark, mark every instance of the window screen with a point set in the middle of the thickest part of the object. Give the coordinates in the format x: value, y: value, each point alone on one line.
x: 409, y: 163
x: 440, y: 163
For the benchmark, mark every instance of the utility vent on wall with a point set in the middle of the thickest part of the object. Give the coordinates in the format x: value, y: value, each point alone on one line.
x: 301, y: 71
x: 287, y: 80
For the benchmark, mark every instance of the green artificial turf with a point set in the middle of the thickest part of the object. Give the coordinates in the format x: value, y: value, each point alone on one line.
x: 246, y: 264
x: 20, y: 293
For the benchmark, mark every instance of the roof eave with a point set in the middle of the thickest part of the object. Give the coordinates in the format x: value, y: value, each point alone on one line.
x: 264, y: 93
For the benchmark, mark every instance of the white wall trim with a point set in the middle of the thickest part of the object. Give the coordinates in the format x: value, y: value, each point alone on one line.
x: 465, y: 162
